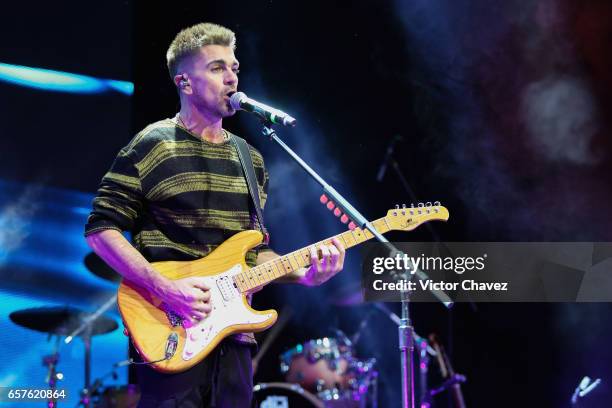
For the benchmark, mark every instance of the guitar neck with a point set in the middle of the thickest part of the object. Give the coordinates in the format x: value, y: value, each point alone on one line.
x: 267, y: 272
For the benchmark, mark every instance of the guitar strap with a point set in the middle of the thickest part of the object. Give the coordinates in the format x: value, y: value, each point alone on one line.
x: 249, y: 173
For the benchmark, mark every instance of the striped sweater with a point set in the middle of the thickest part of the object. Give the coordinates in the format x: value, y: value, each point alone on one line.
x: 179, y: 196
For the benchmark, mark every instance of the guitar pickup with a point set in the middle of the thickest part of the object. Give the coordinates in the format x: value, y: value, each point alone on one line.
x: 225, y: 283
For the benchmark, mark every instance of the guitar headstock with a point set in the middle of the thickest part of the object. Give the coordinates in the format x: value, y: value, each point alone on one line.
x: 408, y: 218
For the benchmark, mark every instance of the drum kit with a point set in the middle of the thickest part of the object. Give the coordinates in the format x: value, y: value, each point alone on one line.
x: 325, y: 372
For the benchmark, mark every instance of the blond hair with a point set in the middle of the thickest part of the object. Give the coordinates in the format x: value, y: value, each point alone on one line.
x: 191, y: 39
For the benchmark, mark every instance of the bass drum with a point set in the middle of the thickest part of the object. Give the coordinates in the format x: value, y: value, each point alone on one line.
x: 284, y: 395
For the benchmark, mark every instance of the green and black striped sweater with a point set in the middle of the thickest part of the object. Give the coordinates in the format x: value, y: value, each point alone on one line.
x: 179, y: 196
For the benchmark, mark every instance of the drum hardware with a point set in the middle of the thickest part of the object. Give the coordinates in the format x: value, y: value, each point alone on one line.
x: 113, y: 396
x: 86, y: 329
x: 284, y: 395
x: 352, y: 296
x: 123, y: 396
x: 51, y: 361
x: 97, y: 389
x: 62, y: 321
x: 314, y: 361
x: 327, y: 367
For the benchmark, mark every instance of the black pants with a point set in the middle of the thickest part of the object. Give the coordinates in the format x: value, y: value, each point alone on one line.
x: 224, y: 379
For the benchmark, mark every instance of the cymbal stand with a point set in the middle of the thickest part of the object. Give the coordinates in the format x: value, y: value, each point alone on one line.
x: 50, y: 361
x: 84, y: 330
x: 86, y: 392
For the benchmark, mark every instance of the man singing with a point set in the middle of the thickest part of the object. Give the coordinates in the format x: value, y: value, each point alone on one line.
x: 179, y: 187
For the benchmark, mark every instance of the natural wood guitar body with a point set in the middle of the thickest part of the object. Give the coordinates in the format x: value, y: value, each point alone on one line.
x: 149, y: 326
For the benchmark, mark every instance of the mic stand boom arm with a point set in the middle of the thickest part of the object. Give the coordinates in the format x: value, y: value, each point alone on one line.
x: 406, y: 341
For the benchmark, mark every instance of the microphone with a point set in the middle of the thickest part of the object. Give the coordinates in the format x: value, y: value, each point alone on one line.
x: 239, y: 101
x: 383, y: 167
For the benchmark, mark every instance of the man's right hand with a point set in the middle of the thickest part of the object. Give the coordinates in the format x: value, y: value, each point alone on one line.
x: 188, y: 297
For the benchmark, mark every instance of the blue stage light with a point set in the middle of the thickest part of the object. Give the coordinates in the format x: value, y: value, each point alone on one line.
x: 41, y: 262
x: 58, y: 81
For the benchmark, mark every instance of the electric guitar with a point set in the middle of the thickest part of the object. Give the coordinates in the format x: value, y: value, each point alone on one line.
x: 169, y: 346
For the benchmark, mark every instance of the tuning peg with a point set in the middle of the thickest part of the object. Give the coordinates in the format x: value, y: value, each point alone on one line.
x: 403, y: 205
x: 352, y: 226
x: 337, y: 212
x: 420, y: 205
x: 344, y: 219
x: 411, y: 205
x: 397, y: 206
x: 323, y: 199
x: 437, y: 203
x: 330, y: 205
x: 428, y: 204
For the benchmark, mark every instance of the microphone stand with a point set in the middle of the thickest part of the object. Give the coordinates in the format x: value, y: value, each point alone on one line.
x: 389, y: 160
x: 406, y: 332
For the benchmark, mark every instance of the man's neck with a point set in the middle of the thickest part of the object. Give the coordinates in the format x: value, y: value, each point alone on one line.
x: 196, y: 122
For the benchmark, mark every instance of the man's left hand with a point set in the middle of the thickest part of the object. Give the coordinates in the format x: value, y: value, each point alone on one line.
x: 326, y: 265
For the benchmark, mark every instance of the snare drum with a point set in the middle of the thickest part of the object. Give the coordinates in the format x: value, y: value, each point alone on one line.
x: 283, y: 395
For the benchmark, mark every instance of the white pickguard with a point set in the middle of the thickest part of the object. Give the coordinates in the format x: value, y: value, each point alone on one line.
x: 228, y: 309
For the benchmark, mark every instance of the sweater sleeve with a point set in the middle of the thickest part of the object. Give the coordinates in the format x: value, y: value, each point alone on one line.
x: 119, y: 200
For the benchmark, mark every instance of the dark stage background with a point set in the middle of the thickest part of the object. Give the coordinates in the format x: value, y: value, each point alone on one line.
x: 503, y: 109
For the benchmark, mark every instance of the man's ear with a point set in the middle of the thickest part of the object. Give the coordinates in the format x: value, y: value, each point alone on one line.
x: 182, y: 82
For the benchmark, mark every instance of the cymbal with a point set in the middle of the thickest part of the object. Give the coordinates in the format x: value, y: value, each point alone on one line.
x: 60, y: 320
x: 98, y: 267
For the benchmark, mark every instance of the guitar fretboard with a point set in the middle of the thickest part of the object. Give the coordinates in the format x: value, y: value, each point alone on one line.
x: 267, y: 272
